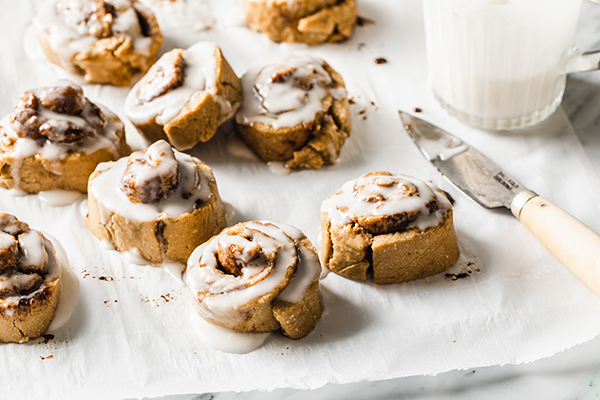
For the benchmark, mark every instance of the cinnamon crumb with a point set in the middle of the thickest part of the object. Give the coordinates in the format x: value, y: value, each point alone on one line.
x: 364, y: 21
x: 47, y: 338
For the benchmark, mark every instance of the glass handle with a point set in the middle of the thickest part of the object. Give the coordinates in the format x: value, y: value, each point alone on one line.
x: 583, y: 62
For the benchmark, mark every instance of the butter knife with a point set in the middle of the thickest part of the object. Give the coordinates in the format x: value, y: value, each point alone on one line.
x: 572, y: 242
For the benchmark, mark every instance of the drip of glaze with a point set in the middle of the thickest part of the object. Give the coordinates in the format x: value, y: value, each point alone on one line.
x: 236, y: 147
x: 69, y: 288
x: 60, y: 198
x: 174, y: 269
x: 133, y: 256
x: 229, y: 211
x: 226, y: 340
x: 278, y: 168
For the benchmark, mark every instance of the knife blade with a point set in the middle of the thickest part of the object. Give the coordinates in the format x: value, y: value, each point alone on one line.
x: 574, y: 244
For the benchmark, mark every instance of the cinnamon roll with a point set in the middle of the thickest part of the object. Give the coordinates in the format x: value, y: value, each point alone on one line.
x: 295, y: 111
x: 306, y: 21
x: 55, y: 137
x: 390, y: 228
x: 159, y: 203
x: 104, y: 41
x: 30, y: 280
x: 257, y: 277
x: 185, y: 96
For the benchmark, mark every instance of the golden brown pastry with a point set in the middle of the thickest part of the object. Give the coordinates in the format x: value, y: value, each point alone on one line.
x: 306, y: 21
x: 55, y: 137
x: 295, y: 111
x: 30, y: 280
x: 390, y: 228
x: 158, y: 203
x: 257, y: 277
x: 185, y: 96
x: 104, y: 41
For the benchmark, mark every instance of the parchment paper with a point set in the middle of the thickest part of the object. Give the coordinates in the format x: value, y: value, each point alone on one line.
x: 130, y: 335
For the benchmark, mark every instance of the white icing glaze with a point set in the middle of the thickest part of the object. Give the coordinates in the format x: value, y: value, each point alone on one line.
x: 174, y: 269
x: 69, y: 290
x: 352, y: 202
x: 6, y: 240
x: 222, y: 294
x: 309, y: 268
x: 111, y: 200
x: 200, y: 75
x: 32, y: 247
x: 133, y: 256
x: 26, y: 147
x: 52, y: 271
x: 226, y: 340
x: 236, y: 147
x: 60, y: 198
x: 285, y: 101
x: 21, y: 148
x: 70, y: 26
x: 229, y: 211
x: 278, y: 168
x: 157, y: 160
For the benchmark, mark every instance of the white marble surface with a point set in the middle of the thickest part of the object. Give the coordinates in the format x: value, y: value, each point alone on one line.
x: 573, y: 374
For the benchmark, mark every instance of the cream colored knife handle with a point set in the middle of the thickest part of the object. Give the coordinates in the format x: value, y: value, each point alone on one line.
x: 571, y: 241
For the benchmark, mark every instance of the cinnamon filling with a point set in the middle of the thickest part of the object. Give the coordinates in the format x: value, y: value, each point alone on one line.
x: 164, y: 76
x: 59, y: 114
x: 151, y: 175
x: 23, y: 258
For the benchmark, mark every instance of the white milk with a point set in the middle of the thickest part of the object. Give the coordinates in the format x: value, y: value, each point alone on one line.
x: 499, y: 63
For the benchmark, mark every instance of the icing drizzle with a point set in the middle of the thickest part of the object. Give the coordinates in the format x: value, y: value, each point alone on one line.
x: 285, y: 91
x: 381, y: 194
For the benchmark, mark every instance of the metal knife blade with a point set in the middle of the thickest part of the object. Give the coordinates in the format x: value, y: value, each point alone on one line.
x: 463, y: 166
x: 576, y: 245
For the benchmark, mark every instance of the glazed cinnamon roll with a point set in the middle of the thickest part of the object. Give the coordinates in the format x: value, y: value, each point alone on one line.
x: 257, y: 277
x: 390, y: 228
x: 295, y: 111
x: 30, y: 279
x: 158, y: 203
x: 55, y: 137
x: 185, y: 96
x: 103, y: 41
x: 306, y: 21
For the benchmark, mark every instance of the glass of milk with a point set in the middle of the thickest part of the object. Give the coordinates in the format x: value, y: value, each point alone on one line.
x: 502, y: 64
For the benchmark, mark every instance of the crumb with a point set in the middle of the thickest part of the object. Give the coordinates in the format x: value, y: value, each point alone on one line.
x: 417, y: 110
x: 106, y: 278
x: 47, y: 338
x: 380, y: 60
x: 455, y: 277
x: 45, y: 358
x: 364, y: 21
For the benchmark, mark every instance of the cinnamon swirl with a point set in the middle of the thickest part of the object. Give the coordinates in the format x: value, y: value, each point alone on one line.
x: 185, y: 96
x: 295, y: 111
x: 257, y: 277
x: 104, y: 41
x: 55, y: 137
x: 390, y: 228
x: 306, y: 21
x: 30, y: 280
x: 159, y: 203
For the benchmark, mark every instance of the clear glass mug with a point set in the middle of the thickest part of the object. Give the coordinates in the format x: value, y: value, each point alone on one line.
x: 502, y: 64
